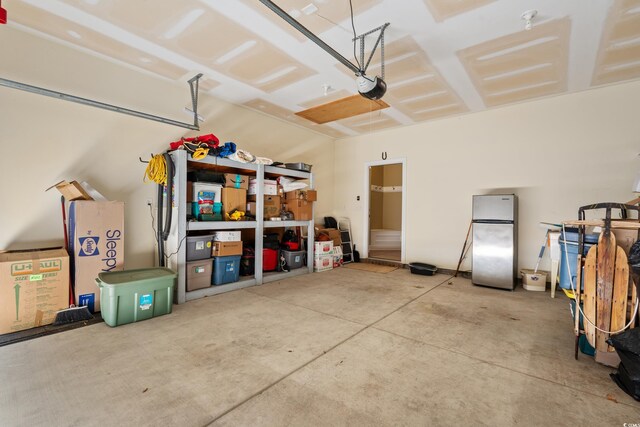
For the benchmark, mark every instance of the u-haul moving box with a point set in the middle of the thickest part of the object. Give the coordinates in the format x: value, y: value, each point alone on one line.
x: 34, y: 285
x: 96, y: 238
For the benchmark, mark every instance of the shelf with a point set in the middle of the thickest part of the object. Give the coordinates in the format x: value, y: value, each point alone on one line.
x: 220, y: 225
x: 600, y: 223
x: 278, y: 171
x: 214, y: 290
x: 222, y: 163
x: 275, y: 276
x: 276, y: 224
x: 183, y: 164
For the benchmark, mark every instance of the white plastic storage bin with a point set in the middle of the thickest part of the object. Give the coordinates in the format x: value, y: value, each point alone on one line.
x: 227, y: 236
x: 294, y: 259
x: 270, y: 187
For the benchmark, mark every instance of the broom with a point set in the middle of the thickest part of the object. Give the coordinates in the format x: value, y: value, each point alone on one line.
x: 72, y: 314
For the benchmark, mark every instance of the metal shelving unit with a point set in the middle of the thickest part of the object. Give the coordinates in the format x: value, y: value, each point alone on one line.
x: 180, y: 226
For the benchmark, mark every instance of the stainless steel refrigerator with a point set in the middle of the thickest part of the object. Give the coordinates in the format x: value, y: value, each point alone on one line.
x: 495, y: 245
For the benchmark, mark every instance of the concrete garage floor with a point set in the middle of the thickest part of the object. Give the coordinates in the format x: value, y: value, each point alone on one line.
x: 343, y: 347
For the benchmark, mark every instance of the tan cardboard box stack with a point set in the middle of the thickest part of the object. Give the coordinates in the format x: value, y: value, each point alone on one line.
x: 272, y: 205
x: 234, y: 194
x: 300, y: 203
x: 96, y: 239
x: 34, y: 285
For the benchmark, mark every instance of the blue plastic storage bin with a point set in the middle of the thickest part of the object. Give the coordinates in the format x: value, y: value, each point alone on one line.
x: 226, y: 269
x: 570, y: 241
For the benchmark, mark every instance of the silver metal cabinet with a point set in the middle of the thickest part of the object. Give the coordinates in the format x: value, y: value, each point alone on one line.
x: 180, y: 227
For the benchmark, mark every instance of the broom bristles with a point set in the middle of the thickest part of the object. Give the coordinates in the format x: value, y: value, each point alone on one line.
x: 72, y: 315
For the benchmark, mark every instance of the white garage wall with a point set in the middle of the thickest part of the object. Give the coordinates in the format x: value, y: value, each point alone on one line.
x: 44, y: 140
x: 556, y: 154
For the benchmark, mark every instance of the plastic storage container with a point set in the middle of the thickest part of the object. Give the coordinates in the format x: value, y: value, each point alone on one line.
x: 570, y: 242
x: 423, y: 269
x: 269, y: 259
x: 198, y: 247
x: 226, y: 269
x: 134, y: 295
x: 294, y: 259
x: 199, y: 274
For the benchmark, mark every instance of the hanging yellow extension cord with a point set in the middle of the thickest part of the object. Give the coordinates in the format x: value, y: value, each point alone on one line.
x: 156, y: 170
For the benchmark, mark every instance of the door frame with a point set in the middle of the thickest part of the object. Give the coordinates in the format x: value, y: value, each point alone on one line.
x: 367, y: 207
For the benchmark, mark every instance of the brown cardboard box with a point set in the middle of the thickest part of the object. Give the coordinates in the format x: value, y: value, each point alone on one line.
x: 308, y: 195
x: 226, y: 248
x: 301, y: 209
x: 334, y: 234
x: 71, y: 190
x: 232, y: 180
x: 34, y: 285
x: 96, y: 239
x: 233, y: 198
x: 272, y: 206
x: 625, y: 238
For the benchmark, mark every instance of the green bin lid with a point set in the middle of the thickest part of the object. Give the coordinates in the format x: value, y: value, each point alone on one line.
x: 129, y: 276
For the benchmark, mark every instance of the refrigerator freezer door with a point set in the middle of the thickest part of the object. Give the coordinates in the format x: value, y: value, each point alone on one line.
x: 494, y: 208
x: 493, y: 261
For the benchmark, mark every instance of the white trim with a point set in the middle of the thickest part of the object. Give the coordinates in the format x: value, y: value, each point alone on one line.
x: 367, y: 187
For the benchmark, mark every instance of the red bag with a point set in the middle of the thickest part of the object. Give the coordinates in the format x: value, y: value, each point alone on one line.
x: 210, y: 139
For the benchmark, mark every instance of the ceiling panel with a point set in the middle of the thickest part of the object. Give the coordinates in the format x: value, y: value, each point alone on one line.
x: 619, y: 55
x: 443, y: 9
x: 369, y: 122
x: 413, y: 81
x: 443, y: 57
x: 323, y: 16
x: 523, y: 65
x: 81, y: 36
x: 271, y: 109
x: 332, y: 96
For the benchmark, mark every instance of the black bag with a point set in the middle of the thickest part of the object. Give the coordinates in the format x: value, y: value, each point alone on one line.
x: 634, y: 257
x: 271, y: 241
x: 628, y: 341
x: 627, y: 379
x: 248, y: 262
x: 330, y: 222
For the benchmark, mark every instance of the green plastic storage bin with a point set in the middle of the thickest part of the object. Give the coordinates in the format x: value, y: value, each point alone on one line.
x: 134, y: 295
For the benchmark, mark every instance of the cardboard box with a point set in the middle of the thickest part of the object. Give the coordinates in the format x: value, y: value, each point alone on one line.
x: 71, y: 190
x: 625, y: 238
x: 226, y: 248
x: 334, y: 234
x: 323, y: 248
x: 96, y: 239
x: 226, y: 236
x: 272, y: 205
x: 270, y: 187
x: 308, y: 195
x: 301, y: 209
x: 232, y: 199
x: 232, y: 180
x: 34, y: 285
x: 323, y: 263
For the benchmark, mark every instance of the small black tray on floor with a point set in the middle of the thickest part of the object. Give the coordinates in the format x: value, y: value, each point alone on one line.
x: 423, y: 269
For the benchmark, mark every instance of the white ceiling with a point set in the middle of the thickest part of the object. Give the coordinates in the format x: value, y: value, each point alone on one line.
x: 443, y: 57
